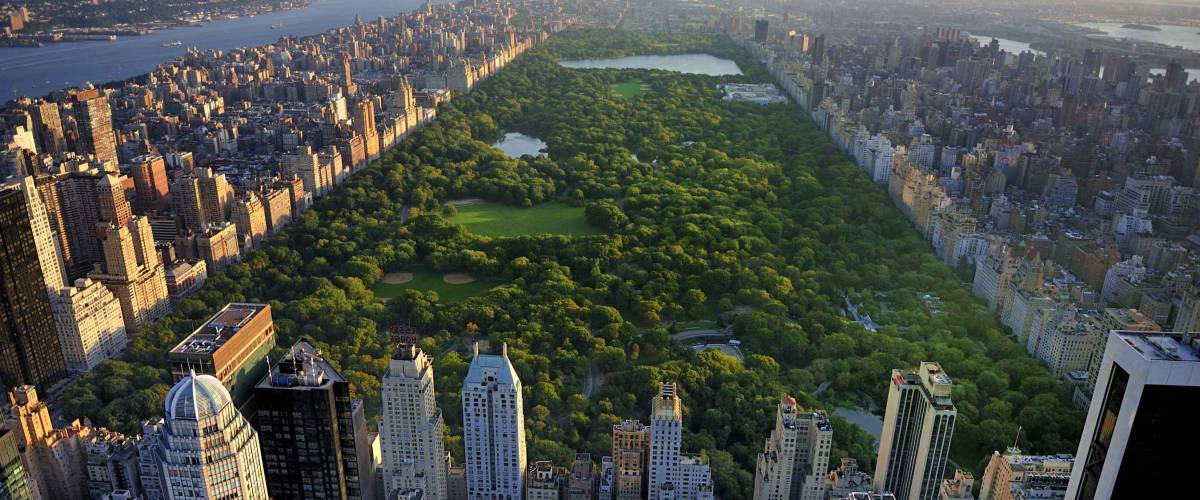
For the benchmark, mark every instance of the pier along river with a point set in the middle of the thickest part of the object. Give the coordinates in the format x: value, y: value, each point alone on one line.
x: 37, y: 71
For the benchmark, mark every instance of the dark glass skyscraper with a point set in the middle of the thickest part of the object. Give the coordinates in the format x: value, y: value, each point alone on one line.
x: 313, y: 436
x: 29, y: 348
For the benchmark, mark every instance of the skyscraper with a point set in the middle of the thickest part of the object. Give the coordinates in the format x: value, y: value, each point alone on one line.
x: 917, y: 427
x: 43, y: 236
x: 56, y: 459
x: 1137, y: 431
x: 795, y: 457
x: 347, y: 79
x: 114, y: 206
x: 666, y: 437
x: 205, y: 448
x: 93, y: 116
x: 313, y: 439
x: 14, y: 482
x: 411, y: 430
x: 493, y: 427
x: 760, y: 30
x: 29, y: 347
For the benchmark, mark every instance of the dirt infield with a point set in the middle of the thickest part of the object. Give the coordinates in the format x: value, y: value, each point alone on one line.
x: 458, y: 278
x: 397, y: 278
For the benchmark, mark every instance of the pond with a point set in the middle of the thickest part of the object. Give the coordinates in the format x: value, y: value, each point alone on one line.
x: 701, y: 64
x: 864, y: 419
x: 516, y: 145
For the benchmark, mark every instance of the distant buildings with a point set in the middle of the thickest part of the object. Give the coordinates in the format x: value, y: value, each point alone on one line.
x: 1154, y: 377
x: 493, y: 427
x: 918, y: 425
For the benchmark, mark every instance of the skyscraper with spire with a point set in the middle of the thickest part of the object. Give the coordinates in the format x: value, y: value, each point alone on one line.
x: 493, y: 427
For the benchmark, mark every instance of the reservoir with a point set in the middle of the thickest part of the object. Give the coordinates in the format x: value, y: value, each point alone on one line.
x: 702, y: 64
x: 1011, y: 46
x: 37, y: 71
x: 517, y: 145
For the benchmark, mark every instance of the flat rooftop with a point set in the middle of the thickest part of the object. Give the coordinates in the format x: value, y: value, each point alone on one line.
x: 219, y: 329
x: 1155, y: 346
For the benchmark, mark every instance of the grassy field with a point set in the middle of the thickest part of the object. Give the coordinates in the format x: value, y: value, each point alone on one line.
x: 631, y: 89
x: 428, y: 279
x: 497, y: 221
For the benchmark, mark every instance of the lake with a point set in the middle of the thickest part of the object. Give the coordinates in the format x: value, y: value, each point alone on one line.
x: 37, y: 71
x: 702, y: 64
x: 516, y: 145
x: 1170, y: 35
x: 864, y: 419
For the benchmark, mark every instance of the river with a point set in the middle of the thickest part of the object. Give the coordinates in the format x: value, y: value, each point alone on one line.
x: 1168, y: 34
x: 36, y: 71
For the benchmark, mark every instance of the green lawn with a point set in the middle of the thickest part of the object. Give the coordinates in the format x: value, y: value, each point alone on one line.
x: 497, y: 221
x: 631, y: 89
x: 428, y: 279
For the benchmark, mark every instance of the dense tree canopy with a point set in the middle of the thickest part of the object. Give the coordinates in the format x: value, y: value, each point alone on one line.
x: 736, y: 212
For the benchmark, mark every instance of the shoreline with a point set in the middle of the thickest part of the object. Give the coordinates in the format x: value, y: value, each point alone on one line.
x: 82, y: 34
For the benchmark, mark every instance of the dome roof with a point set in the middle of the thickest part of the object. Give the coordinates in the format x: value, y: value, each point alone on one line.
x: 196, y: 397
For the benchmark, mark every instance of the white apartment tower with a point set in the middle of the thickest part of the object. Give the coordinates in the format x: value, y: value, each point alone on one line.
x: 89, y: 322
x: 796, y: 455
x: 917, y: 427
x: 666, y: 437
x: 206, y: 449
x: 411, y: 431
x: 493, y: 428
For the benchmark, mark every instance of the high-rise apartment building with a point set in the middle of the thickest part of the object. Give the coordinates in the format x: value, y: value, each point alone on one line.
x: 1147, y: 393
x: 1014, y: 476
x: 14, y: 482
x: 493, y: 427
x: 230, y: 346
x: 134, y: 272
x: 93, y: 115
x: 47, y: 127
x: 250, y: 217
x: 149, y: 174
x: 631, y: 445
x: 795, y: 457
x: 313, y: 436
x: 29, y: 349
x: 90, y: 326
x: 918, y: 425
x: 411, y: 430
x: 666, y: 439
x: 114, y: 205
x: 77, y: 214
x: 44, y: 238
x: 205, y: 448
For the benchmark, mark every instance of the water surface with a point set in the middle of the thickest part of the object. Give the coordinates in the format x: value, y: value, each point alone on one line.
x: 1170, y: 35
x: 36, y: 71
x: 516, y: 145
x: 702, y: 64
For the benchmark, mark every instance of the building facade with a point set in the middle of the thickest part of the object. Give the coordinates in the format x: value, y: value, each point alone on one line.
x: 918, y: 425
x: 411, y: 430
x: 493, y: 427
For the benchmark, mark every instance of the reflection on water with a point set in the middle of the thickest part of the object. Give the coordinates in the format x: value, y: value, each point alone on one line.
x: 517, y: 145
x: 702, y: 64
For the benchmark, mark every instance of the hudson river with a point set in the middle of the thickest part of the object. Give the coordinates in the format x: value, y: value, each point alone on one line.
x: 37, y: 71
